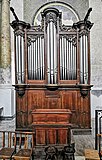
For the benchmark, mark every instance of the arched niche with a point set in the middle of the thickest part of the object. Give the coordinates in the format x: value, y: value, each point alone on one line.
x: 69, y: 15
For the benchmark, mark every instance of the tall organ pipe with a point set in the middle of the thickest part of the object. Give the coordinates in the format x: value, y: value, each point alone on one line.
x: 83, y: 59
x: 20, y: 65
x: 51, y: 22
x: 51, y: 53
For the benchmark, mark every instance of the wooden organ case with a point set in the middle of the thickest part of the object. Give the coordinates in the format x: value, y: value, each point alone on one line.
x: 52, y: 71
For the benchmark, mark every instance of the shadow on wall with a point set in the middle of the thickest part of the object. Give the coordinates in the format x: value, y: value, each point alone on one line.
x: 1, y: 110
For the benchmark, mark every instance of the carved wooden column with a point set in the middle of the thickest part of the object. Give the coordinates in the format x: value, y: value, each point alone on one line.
x: 5, y: 55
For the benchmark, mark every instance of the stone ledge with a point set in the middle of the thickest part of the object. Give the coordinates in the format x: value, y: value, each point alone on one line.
x: 7, y: 86
x: 7, y: 118
x: 81, y: 131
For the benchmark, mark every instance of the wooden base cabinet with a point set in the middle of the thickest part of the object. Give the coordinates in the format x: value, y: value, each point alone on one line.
x: 49, y: 100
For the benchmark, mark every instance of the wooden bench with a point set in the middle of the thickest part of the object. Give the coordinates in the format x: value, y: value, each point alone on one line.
x: 17, y: 145
x: 91, y: 154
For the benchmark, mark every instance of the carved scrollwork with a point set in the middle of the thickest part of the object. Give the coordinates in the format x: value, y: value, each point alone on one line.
x: 19, y: 33
x: 83, y: 32
x: 70, y: 38
x: 37, y: 28
x: 68, y: 152
x: 84, y: 89
x: 20, y: 89
x: 83, y: 26
x: 50, y: 14
x: 51, y: 17
x: 67, y: 28
x: 51, y: 153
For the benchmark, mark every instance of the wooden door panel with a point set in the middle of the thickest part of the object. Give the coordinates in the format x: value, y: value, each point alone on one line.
x: 79, y: 106
x: 40, y: 137
x: 21, y: 111
x: 62, y: 136
x: 53, y: 103
x: 51, y: 136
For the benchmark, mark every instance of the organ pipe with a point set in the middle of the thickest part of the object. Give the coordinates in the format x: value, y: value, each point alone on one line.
x: 39, y: 44
x: 51, y: 53
x: 83, y: 28
x: 68, y: 59
x: 20, y: 62
x: 36, y: 59
x: 83, y: 59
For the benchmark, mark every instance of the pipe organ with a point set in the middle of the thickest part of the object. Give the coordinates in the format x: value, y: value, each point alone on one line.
x: 52, y: 71
x: 35, y: 58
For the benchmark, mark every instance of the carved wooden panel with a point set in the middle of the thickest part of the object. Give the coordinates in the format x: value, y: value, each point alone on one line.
x: 62, y: 99
x: 21, y: 111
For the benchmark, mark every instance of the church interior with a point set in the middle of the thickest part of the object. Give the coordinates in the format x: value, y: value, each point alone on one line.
x: 51, y: 79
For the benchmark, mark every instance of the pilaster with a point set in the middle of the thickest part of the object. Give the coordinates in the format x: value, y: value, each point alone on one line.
x: 5, y: 54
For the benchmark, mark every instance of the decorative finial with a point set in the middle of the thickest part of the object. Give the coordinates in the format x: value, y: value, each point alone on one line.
x: 14, y: 14
x: 87, y: 15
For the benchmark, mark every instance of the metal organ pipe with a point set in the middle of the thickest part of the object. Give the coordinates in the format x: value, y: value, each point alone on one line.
x: 36, y: 58
x: 86, y: 59
x: 51, y: 53
x: 67, y: 58
x: 20, y: 65
x: 83, y: 59
x: 43, y: 61
x: 29, y: 61
x: 51, y: 31
x: 55, y: 55
x: 71, y: 60
x: 45, y: 57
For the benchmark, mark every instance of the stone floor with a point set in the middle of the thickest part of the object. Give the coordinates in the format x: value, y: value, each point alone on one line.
x: 82, y: 141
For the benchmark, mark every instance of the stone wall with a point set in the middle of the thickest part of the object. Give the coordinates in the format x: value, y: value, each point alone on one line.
x: 96, y: 43
x: 96, y: 57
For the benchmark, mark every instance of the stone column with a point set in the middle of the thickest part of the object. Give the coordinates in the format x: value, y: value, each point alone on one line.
x: 5, y: 54
x: 0, y: 25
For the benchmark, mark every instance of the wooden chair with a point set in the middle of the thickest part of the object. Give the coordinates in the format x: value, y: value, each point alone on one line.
x: 24, y: 145
x: 91, y: 154
x: 99, y: 144
x: 7, y: 148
